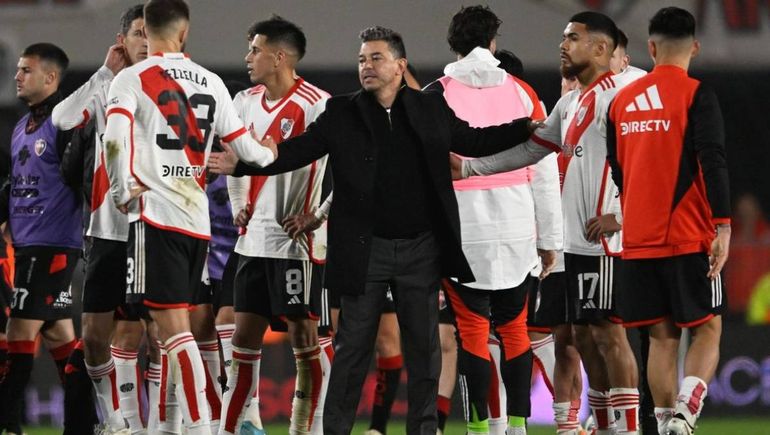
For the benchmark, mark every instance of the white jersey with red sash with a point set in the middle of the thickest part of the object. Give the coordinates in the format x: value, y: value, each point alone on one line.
x: 172, y: 107
x: 577, y: 130
x: 270, y: 199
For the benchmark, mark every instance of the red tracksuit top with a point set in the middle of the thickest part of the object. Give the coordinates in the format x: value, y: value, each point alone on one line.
x: 665, y: 144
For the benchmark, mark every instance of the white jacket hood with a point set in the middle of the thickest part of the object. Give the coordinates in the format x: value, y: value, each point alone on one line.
x: 478, y: 69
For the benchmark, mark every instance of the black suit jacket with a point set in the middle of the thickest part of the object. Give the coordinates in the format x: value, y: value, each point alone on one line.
x: 345, y: 132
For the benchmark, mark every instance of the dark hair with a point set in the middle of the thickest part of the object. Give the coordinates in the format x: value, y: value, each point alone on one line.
x: 394, y: 39
x: 50, y: 53
x: 622, y: 39
x: 160, y: 13
x: 598, y: 22
x: 473, y: 26
x: 128, y: 17
x: 510, y: 63
x: 672, y: 22
x: 278, y: 30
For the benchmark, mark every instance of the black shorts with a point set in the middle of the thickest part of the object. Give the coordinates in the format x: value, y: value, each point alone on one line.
x: 221, y: 291
x: 591, y: 286
x: 6, y: 293
x: 675, y: 287
x: 164, y: 267
x: 132, y: 312
x: 42, y: 283
x: 104, y: 287
x: 204, y: 293
x: 277, y: 288
x: 548, y: 303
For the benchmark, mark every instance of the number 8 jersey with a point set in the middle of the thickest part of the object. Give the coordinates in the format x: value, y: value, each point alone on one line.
x: 162, y: 116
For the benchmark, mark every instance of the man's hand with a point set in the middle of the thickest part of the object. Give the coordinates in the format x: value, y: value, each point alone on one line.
x: 297, y: 224
x: 242, y: 218
x: 534, y: 125
x: 603, y: 224
x: 136, y: 191
x: 270, y: 144
x: 456, y: 166
x: 720, y: 249
x: 223, y: 163
x: 116, y: 58
x: 548, y: 260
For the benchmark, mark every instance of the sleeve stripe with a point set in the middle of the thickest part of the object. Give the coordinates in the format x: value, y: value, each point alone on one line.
x: 121, y: 111
x: 718, y: 221
x: 542, y: 142
x: 234, y: 135
x: 310, y: 90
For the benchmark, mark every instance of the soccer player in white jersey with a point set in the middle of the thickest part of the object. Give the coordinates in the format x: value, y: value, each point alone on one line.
x: 278, y: 277
x: 114, y: 374
x: 577, y: 130
x: 161, y: 117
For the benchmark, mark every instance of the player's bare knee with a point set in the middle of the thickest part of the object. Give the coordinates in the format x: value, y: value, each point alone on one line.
x: 225, y: 316
x: 583, y: 339
x: 96, y: 341
x: 248, y: 339
x: 302, y: 332
x: 388, y: 342
x: 447, y: 338
x: 128, y: 335
x: 710, y: 331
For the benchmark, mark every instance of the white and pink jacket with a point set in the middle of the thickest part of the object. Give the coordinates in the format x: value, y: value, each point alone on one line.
x: 504, y: 217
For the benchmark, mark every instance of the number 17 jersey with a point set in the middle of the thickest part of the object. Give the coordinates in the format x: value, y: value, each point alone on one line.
x: 175, y: 107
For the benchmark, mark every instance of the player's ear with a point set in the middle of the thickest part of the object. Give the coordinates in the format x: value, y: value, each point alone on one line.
x: 652, y: 48
x: 183, y: 34
x: 695, y: 48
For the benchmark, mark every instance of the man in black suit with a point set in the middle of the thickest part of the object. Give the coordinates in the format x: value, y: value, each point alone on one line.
x: 394, y: 224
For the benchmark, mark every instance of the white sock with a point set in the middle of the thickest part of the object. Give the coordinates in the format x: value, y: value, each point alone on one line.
x: 186, y: 369
x: 307, y: 388
x: 625, y: 406
x: 497, y: 425
x: 210, y: 355
x: 242, y: 382
x: 663, y: 415
x: 153, y: 397
x: 689, y: 402
x: 543, y: 354
x: 169, y: 414
x: 225, y: 334
x: 515, y: 431
x: 565, y: 418
x: 105, y: 384
x: 130, y: 391
x: 327, y: 355
x: 601, y: 408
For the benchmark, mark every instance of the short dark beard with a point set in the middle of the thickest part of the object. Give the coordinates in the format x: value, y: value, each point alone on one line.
x: 573, y: 70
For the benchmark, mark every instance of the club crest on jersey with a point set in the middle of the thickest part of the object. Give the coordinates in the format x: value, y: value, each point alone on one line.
x: 40, y: 145
x: 581, y: 115
x: 286, y: 125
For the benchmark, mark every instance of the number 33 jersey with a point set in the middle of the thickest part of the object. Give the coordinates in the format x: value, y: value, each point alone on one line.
x: 175, y: 107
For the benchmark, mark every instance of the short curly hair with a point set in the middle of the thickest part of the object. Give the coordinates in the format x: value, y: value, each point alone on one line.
x: 473, y: 26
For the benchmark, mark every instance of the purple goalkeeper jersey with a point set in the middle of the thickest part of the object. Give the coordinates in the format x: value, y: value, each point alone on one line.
x: 223, y: 233
x: 43, y: 211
